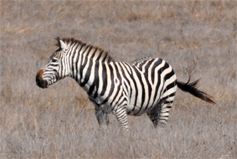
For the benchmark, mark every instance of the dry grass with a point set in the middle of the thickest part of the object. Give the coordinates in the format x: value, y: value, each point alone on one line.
x: 194, y: 37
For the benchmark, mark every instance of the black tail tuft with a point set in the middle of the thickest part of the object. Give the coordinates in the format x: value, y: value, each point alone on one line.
x: 192, y: 89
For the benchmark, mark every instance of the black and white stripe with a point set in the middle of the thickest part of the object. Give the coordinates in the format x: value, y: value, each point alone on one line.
x: 145, y: 86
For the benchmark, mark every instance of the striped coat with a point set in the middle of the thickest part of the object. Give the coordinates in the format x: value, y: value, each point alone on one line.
x: 145, y: 86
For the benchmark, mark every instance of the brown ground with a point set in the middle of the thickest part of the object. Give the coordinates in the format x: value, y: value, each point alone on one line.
x: 197, y: 38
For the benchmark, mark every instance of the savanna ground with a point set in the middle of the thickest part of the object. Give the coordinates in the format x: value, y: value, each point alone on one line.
x: 197, y: 38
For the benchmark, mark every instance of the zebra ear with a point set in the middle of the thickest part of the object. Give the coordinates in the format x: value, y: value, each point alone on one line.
x: 62, y: 45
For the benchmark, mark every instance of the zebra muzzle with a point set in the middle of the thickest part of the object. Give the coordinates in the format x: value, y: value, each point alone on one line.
x: 39, y: 80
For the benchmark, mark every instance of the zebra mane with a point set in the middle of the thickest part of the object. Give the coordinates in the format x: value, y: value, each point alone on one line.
x: 72, y: 41
x: 69, y: 41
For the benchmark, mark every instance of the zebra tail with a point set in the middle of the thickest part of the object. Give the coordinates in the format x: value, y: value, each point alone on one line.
x: 192, y: 89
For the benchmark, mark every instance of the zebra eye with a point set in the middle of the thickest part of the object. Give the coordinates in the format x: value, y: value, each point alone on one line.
x: 54, y: 60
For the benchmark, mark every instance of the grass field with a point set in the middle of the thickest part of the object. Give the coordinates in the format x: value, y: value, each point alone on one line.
x: 197, y: 38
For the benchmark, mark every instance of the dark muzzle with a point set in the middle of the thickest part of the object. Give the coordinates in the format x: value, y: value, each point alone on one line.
x: 39, y: 80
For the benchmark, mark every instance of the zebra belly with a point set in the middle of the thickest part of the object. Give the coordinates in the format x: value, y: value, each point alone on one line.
x: 137, y: 110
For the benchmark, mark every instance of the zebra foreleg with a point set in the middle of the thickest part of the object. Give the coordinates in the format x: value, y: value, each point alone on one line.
x: 102, y: 117
x: 122, y: 118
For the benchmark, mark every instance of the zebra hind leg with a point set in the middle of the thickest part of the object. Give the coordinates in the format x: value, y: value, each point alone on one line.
x: 153, y: 115
x: 164, y: 112
x: 160, y: 113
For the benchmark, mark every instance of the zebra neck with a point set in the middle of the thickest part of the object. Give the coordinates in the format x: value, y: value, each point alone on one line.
x: 83, y: 56
x: 92, y: 76
x: 96, y: 54
x: 88, y: 64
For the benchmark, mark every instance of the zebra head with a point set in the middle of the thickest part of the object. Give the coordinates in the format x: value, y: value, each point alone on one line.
x: 57, y: 67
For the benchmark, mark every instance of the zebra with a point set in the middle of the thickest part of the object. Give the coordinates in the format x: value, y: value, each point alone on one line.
x: 145, y: 86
